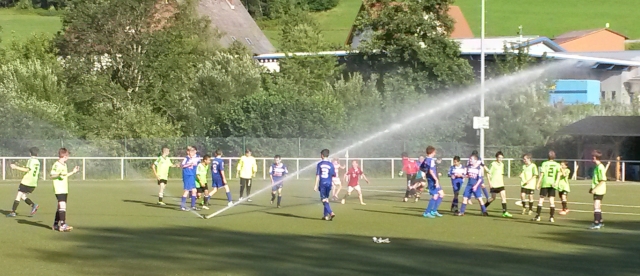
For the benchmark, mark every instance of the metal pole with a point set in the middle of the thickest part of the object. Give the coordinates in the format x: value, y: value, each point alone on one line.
x: 83, y: 166
x: 392, y: 169
x: 297, y: 168
x: 4, y: 169
x: 44, y: 166
x: 624, y: 172
x: 509, y: 168
x: 121, y: 168
x: 229, y: 168
x: 264, y: 168
x: 482, y: 76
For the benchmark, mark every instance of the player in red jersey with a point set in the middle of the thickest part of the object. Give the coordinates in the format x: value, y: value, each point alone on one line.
x: 409, y: 168
x: 353, y: 175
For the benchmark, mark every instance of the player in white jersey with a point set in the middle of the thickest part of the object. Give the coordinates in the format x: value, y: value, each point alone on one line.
x: 337, y: 184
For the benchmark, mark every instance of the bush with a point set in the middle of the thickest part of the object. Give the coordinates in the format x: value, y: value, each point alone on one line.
x: 322, y: 5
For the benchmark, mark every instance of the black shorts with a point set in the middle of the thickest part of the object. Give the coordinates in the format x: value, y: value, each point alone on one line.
x: 26, y: 189
x: 561, y: 193
x: 496, y: 190
x: 547, y: 192
x: 245, y: 181
x: 162, y: 181
x: 203, y: 188
x: 62, y: 197
x: 598, y: 197
x: 527, y: 191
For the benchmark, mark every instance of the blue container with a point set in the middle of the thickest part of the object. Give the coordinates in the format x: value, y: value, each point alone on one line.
x: 575, y: 92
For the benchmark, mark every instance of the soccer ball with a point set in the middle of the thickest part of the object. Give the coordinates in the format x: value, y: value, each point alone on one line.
x: 439, y: 174
x: 401, y: 173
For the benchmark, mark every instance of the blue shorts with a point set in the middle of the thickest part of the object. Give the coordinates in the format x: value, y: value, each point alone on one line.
x: 277, y: 185
x: 189, y: 182
x: 468, y: 192
x: 217, y: 183
x: 431, y: 184
x: 457, y: 184
x: 325, y: 192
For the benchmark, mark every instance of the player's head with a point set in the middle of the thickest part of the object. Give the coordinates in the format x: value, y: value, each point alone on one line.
x: 354, y: 163
x: 473, y: 159
x: 404, y: 154
x: 456, y: 160
x: 421, y: 158
x: 218, y: 152
x: 34, y: 151
x: 499, y: 156
x: 324, y: 153
x: 552, y: 155
x: 564, y: 164
x: 247, y: 152
x: 336, y: 160
x: 526, y: 159
x: 474, y: 152
x: 206, y: 159
x: 431, y: 151
x: 597, y: 156
x: 277, y: 159
x: 165, y: 151
x: 63, y: 154
x: 194, y: 150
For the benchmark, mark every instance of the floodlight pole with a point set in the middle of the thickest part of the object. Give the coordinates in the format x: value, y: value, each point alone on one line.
x: 482, y: 76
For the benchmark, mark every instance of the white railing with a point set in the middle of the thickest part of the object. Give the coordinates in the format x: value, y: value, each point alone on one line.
x: 264, y: 162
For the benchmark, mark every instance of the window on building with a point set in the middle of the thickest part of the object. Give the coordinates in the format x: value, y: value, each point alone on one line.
x: 602, y: 94
x: 613, y: 95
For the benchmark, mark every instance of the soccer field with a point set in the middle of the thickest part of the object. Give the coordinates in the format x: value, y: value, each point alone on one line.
x: 119, y: 230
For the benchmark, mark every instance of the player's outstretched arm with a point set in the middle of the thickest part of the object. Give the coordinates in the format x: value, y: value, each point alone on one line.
x: 315, y: 186
x: 365, y: 178
x: 19, y: 168
x: 155, y: 172
x: 224, y: 179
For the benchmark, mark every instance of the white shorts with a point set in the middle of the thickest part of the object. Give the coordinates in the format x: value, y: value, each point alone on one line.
x: 351, y: 188
x: 336, y: 181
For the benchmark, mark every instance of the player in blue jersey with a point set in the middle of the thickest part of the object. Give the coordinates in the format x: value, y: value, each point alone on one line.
x: 325, y: 172
x: 189, y: 165
x: 474, y: 184
x: 218, y: 178
x: 433, y: 184
x: 484, y: 169
x: 456, y: 173
x: 277, y: 171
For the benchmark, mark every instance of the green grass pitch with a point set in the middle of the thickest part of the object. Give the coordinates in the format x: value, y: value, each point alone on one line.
x: 119, y: 230
x: 19, y: 25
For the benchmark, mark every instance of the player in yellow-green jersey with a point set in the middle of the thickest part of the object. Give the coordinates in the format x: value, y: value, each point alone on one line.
x: 598, y: 189
x: 161, y: 170
x: 547, y: 184
x: 528, y: 183
x: 60, y: 176
x: 496, y: 183
x: 201, y: 180
x: 563, y: 186
x: 29, y: 182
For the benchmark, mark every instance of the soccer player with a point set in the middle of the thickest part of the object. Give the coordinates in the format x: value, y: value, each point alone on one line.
x: 418, y: 182
x: 218, y: 178
x: 598, y: 189
x: 337, y: 183
x: 325, y: 172
x: 201, y: 180
x: 60, y: 176
x: 354, y: 174
x: 456, y: 173
x: 161, y: 170
x: 433, y: 184
x: 547, y: 184
x: 496, y: 184
x: 277, y: 172
x: 246, y: 170
x: 563, y: 186
x: 485, y: 169
x: 189, y: 165
x: 410, y: 168
x: 528, y: 183
x: 29, y: 182
x: 474, y: 182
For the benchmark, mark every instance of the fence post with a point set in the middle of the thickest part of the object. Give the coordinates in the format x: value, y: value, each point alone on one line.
x: 83, y: 166
x: 575, y: 168
x: 122, y: 168
x: 509, y: 168
x: 624, y: 172
x: 230, y: 168
x: 4, y: 169
x: 44, y: 167
x: 264, y: 168
x: 299, y: 147
x: 361, y: 164
x: 298, y: 168
x: 392, y: 169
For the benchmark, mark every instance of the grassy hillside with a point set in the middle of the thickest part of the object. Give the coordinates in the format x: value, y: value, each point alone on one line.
x: 551, y: 17
x: 21, y: 24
